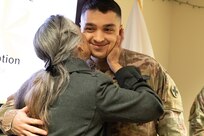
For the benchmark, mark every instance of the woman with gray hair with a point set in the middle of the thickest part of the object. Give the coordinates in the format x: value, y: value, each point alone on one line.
x: 70, y: 98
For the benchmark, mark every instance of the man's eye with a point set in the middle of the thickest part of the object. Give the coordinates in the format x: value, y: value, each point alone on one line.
x: 109, y: 30
x: 89, y: 29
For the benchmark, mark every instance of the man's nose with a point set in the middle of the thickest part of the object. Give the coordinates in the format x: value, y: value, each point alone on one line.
x: 99, y: 36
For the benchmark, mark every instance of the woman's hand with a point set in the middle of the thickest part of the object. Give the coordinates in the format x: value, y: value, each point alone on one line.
x: 114, y: 56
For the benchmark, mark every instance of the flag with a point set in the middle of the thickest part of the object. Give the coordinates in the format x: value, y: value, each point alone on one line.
x: 136, y: 34
x: 140, y: 2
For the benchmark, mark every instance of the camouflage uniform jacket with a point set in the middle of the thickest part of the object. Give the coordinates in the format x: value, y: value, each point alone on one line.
x: 172, y: 121
x: 196, y: 118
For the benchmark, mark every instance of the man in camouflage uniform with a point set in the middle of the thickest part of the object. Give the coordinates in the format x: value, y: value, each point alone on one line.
x: 196, y: 118
x: 101, y: 24
x: 172, y: 122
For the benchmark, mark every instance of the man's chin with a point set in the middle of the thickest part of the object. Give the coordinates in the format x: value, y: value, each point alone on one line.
x: 98, y: 56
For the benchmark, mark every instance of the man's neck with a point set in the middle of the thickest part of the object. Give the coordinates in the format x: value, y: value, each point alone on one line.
x: 101, y: 64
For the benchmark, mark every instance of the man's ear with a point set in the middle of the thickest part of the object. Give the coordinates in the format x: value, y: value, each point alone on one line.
x: 121, y: 31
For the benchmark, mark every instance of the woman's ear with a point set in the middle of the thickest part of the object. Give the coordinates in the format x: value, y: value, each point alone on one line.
x: 80, y: 49
x: 83, y: 52
x: 80, y: 52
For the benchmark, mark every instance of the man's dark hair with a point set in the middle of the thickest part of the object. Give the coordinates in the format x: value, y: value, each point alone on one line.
x: 102, y: 5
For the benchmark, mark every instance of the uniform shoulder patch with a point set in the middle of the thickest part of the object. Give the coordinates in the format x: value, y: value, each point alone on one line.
x: 174, y: 91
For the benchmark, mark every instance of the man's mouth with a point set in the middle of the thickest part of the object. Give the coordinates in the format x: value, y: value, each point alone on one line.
x: 98, y: 46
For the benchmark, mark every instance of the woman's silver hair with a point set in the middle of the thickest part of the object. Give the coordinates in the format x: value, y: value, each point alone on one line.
x: 54, y: 43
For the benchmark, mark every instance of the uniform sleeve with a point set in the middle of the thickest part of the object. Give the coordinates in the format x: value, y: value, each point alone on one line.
x: 7, y: 113
x: 196, y: 118
x: 172, y: 122
x: 119, y: 104
x: 8, y: 110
